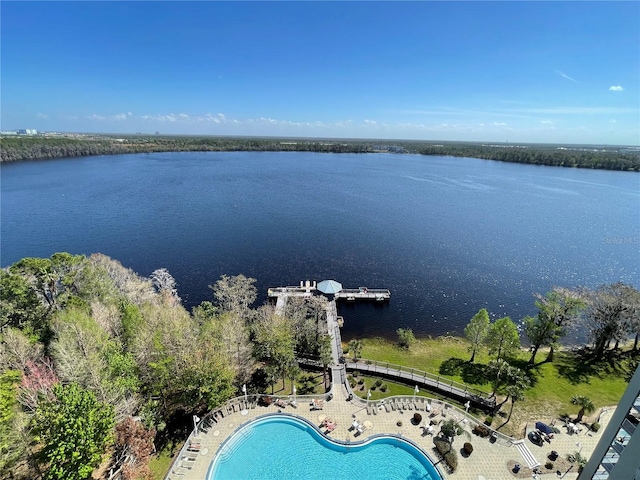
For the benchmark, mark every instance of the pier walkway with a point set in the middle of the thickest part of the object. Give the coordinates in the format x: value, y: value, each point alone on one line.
x: 307, y: 289
x: 427, y: 380
x: 406, y: 375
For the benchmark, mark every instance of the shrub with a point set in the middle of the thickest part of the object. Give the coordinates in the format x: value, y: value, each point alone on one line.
x: 361, y: 381
x: 595, y: 426
x: 417, y: 418
x: 265, y: 400
x: 378, y: 383
x: 352, y: 381
x: 481, y: 430
x: 405, y: 338
x: 384, y: 387
x: 450, y: 428
x: 488, y: 420
x: 356, y: 373
x: 548, y: 465
x: 468, y: 448
x: 444, y: 448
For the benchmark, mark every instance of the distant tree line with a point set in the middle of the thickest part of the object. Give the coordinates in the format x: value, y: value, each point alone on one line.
x: 41, y: 147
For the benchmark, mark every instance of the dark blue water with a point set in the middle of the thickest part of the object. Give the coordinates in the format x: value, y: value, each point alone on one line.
x: 446, y: 235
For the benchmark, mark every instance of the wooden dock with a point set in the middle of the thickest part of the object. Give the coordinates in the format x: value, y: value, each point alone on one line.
x: 363, y: 293
x: 340, y: 365
x: 308, y: 289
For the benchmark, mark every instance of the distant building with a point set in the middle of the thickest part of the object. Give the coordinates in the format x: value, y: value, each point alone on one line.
x: 617, y: 454
x: 8, y: 132
x: 26, y: 131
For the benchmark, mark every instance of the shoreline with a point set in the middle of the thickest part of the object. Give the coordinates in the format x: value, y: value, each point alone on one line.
x: 31, y: 148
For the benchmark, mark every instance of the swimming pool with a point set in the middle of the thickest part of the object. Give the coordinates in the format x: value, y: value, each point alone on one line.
x: 279, y: 447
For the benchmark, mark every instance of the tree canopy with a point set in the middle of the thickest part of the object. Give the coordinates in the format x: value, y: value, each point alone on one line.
x: 503, y: 338
x: 476, y: 331
x: 74, y: 429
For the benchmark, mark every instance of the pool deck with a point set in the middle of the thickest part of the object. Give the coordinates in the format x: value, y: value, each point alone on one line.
x: 489, y: 460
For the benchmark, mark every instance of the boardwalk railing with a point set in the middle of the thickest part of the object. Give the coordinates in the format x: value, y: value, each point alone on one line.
x: 429, y: 380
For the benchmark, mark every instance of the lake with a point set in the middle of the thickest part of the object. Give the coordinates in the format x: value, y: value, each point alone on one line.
x: 447, y: 236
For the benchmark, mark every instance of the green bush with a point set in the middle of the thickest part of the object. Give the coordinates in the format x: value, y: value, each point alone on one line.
x: 450, y: 428
x: 356, y: 373
x: 405, y: 338
x: 468, y: 448
x: 384, y: 387
x: 378, y: 383
x: 595, y: 426
x: 488, y: 420
x: 449, y: 455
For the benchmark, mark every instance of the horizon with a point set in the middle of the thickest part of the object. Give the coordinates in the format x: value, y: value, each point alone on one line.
x: 309, y: 138
x: 478, y: 72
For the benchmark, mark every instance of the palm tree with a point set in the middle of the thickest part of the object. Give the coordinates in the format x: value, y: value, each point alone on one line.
x: 355, y: 346
x: 585, y: 404
x: 450, y: 429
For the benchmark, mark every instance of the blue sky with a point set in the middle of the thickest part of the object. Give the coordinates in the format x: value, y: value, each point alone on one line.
x: 476, y: 71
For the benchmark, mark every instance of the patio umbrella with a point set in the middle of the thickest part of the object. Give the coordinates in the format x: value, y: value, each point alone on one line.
x: 544, y: 428
x: 329, y: 287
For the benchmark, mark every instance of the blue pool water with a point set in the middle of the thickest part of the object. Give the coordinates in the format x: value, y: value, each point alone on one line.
x: 279, y: 448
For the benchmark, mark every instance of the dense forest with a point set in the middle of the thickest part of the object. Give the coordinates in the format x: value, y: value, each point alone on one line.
x: 17, y: 148
x: 99, y: 365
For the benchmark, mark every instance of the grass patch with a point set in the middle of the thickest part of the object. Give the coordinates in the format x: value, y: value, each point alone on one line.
x: 446, y: 356
x: 162, y: 460
x: 553, y: 384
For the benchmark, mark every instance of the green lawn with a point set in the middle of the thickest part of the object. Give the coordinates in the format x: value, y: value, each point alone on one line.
x: 160, y: 463
x: 553, y: 383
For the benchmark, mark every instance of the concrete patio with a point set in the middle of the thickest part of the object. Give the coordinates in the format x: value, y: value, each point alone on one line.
x: 491, y: 458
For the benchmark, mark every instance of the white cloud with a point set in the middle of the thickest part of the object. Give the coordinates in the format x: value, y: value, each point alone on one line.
x: 613, y: 120
x: 565, y: 76
x: 500, y: 124
x: 102, y: 118
x: 546, y: 122
x: 42, y: 115
x: 370, y: 122
x: 615, y: 88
